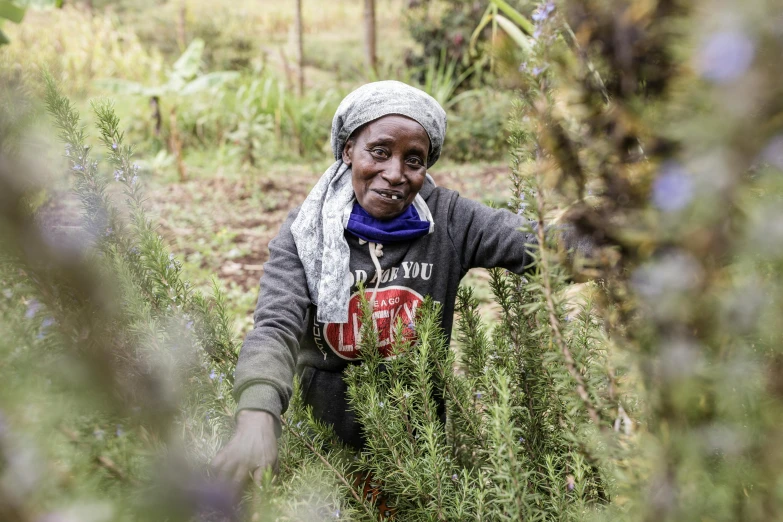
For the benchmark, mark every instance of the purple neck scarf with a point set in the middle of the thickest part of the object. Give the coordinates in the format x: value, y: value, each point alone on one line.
x: 404, y: 227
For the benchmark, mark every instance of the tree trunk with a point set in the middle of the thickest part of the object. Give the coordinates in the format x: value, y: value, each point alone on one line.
x: 299, y: 49
x: 181, y: 22
x: 175, y: 144
x: 156, y: 117
x: 369, y: 35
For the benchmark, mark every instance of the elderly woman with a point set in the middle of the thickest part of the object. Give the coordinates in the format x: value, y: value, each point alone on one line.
x: 375, y: 217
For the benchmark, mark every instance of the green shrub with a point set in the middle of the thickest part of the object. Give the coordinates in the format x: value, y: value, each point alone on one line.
x: 477, y: 129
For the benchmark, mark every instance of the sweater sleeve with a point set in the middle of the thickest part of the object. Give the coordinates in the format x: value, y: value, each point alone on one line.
x: 486, y: 237
x: 265, y: 369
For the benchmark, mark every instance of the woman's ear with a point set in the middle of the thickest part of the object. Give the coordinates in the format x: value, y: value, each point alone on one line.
x: 348, y: 152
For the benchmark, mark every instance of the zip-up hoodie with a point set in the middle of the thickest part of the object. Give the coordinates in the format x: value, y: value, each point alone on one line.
x: 286, y: 337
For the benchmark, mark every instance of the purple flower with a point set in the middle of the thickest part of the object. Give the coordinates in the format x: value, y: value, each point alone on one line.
x: 32, y: 308
x: 726, y: 56
x: 114, y: 145
x: 673, y: 188
x: 478, y: 395
x: 773, y: 152
x: 119, y: 431
x: 78, y: 168
x: 380, y: 404
x: 212, y: 375
x: 539, y: 15
x: 189, y: 325
x: 454, y: 477
x: 118, y: 175
x: 134, y: 179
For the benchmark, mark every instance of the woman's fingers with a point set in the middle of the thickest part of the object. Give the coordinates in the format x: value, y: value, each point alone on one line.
x: 258, y: 474
x: 241, y: 475
x: 218, y: 461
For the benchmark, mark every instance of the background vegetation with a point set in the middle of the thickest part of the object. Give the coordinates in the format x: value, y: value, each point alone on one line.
x: 131, y: 253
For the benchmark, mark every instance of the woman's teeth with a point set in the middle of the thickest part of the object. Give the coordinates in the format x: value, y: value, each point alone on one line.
x: 388, y: 196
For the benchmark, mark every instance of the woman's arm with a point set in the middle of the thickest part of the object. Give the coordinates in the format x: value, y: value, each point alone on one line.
x: 265, y: 370
x: 486, y: 237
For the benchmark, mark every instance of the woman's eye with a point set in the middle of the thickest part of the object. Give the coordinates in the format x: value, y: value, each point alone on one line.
x: 379, y: 152
x: 415, y: 161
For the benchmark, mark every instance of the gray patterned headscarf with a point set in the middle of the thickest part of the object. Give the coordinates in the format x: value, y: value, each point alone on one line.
x: 318, y: 229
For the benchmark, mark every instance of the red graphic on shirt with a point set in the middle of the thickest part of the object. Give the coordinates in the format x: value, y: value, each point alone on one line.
x: 391, y: 303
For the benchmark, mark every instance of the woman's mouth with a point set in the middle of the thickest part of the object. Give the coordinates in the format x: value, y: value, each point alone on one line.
x: 390, y: 194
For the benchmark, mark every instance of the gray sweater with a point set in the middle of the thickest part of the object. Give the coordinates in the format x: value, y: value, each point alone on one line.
x: 287, y: 338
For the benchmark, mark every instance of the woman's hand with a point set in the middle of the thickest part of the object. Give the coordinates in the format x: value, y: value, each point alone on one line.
x: 251, y: 450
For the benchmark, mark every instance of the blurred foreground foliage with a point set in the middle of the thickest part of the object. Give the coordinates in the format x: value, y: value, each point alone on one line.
x: 653, y: 392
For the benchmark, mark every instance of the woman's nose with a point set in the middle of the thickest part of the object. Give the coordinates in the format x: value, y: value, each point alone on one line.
x: 394, y: 173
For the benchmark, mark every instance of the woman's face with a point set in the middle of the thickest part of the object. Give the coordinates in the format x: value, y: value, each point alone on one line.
x: 388, y: 157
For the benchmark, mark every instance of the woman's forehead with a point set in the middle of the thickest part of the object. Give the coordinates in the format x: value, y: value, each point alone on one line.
x: 392, y: 127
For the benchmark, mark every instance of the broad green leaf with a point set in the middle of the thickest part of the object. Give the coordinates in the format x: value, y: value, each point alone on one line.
x: 118, y: 86
x: 12, y: 12
x: 522, y: 40
x: 526, y: 25
x: 485, y: 19
x: 208, y: 81
x: 187, y: 65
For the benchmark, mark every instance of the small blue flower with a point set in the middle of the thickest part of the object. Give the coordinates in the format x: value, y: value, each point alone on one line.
x: 673, y: 188
x: 78, y: 168
x: 134, y: 180
x: 539, y: 15
x: 109, y: 231
x: 212, y: 375
x: 773, y: 152
x: 134, y: 250
x: 118, y: 175
x: 479, y: 395
x: 189, y: 325
x: 380, y: 404
x: 454, y: 477
x: 119, y: 431
x: 726, y: 56
x: 32, y: 308
x: 114, y: 145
